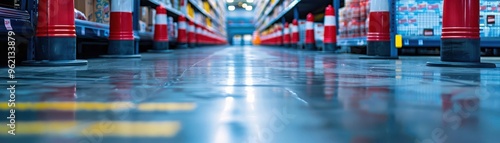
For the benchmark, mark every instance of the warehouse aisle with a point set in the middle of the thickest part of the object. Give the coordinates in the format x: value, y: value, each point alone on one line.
x: 254, y: 95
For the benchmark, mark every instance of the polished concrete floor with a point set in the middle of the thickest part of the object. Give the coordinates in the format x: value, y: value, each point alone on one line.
x: 254, y: 95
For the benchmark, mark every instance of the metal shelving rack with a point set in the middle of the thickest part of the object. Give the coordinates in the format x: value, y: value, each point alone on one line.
x: 294, y: 10
x: 413, y: 41
x: 22, y: 21
x: 93, y: 30
x: 218, y: 19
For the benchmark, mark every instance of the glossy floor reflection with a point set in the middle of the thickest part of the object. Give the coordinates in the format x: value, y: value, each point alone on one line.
x: 254, y: 95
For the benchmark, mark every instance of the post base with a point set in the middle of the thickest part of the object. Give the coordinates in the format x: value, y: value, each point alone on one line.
x: 182, y: 46
x: 461, y: 64
x: 125, y: 47
x: 55, y: 63
x: 378, y: 48
x: 311, y: 47
x: 160, y: 45
x: 330, y: 47
x: 55, y: 49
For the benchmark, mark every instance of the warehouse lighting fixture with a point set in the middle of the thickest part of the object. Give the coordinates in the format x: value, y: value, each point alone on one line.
x: 231, y: 7
x: 230, y: 1
x: 244, y: 5
x: 249, y: 8
x: 250, y: 1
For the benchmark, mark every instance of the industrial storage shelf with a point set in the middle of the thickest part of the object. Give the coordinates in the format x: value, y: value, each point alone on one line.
x: 91, y: 30
x: 19, y: 22
x: 14, y: 13
x: 154, y: 3
x: 269, y: 10
x: 418, y: 41
x: 170, y: 11
x: 280, y: 15
x: 214, y: 5
x: 423, y: 41
x: 359, y: 41
x: 259, y: 12
x: 195, y: 4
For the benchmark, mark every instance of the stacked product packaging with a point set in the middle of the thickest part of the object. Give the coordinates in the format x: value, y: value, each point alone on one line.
x: 414, y: 18
x: 419, y: 17
x: 489, y: 19
x: 93, y: 10
x: 277, y: 10
x: 424, y: 17
x: 353, y: 19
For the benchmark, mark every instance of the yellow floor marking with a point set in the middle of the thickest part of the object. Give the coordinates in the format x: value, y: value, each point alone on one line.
x: 104, y: 128
x: 98, y: 106
x: 167, y: 107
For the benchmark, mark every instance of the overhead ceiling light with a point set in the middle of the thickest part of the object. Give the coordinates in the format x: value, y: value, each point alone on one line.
x: 249, y: 8
x: 230, y: 1
x: 244, y: 5
x: 231, y: 7
x: 250, y: 1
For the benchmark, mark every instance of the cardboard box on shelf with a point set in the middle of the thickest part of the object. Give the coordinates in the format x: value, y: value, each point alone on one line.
x: 86, y: 7
x: 102, y: 11
x: 146, y: 15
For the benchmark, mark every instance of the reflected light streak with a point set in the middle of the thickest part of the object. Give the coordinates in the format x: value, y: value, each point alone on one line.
x: 229, y: 89
x: 223, y: 134
x: 248, y: 76
x: 250, y: 92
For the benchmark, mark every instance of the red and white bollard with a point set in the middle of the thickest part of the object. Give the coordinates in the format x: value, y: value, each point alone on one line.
x: 460, y: 40
x: 379, y: 36
x: 199, y: 35
x: 121, y: 34
x: 56, y: 35
x: 191, y: 34
x: 280, y: 35
x: 275, y: 35
x: 330, y: 36
x: 182, y: 37
x: 286, y: 35
x: 160, y: 39
x: 295, y: 34
x: 310, y: 41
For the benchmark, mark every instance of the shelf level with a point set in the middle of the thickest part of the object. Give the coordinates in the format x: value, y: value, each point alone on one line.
x: 268, y: 11
x: 435, y: 41
x: 197, y: 6
x: 91, y: 30
x: 170, y: 10
x: 359, y: 41
x: 261, y: 10
x: 19, y: 22
x: 419, y: 41
x: 285, y: 11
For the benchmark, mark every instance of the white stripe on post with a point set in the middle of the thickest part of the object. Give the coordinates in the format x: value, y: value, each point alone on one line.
x: 182, y: 25
x: 330, y: 21
x: 191, y: 28
x: 379, y: 6
x: 122, y: 6
x: 161, y: 19
x: 295, y: 29
x: 309, y: 25
x: 198, y: 30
